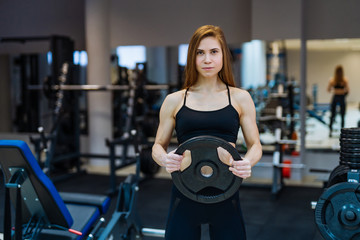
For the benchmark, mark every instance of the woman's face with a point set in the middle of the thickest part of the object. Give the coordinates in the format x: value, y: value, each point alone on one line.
x: 209, y: 57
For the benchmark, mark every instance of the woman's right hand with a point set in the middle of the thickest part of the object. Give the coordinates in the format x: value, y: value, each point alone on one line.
x: 172, y: 161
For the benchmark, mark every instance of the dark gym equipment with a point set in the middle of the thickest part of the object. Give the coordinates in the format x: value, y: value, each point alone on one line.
x: 219, y: 184
x: 149, y: 167
x: 61, y: 115
x: 61, y: 131
x: 338, y: 175
x: 277, y: 116
x: 125, y: 223
x: 61, y: 48
x: 40, y: 211
x: 337, y: 212
x: 130, y: 96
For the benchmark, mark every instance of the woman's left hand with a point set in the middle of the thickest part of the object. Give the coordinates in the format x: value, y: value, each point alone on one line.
x: 241, y: 168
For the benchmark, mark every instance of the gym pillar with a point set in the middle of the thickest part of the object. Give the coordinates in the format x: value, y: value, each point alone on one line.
x: 5, y: 97
x: 97, y: 28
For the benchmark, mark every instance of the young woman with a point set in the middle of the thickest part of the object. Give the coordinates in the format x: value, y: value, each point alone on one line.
x: 339, y: 86
x: 209, y: 104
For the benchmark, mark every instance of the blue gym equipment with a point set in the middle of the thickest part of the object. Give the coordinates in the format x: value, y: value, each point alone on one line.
x: 41, y: 212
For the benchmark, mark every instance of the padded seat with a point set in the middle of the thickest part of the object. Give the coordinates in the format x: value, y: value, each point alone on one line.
x: 84, y: 217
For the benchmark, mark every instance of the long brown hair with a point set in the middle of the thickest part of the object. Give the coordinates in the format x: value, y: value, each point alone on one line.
x: 339, y: 74
x: 191, y: 74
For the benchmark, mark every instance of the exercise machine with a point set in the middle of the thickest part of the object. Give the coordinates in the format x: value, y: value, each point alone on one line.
x: 125, y: 223
x: 41, y: 212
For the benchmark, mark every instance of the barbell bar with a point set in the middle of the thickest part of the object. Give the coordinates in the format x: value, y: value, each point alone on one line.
x: 95, y: 87
x: 281, y: 165
x: 152, y: 232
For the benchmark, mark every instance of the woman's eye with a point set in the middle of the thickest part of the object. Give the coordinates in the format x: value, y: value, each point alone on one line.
x: 214, y: 51
x: 199, y: 52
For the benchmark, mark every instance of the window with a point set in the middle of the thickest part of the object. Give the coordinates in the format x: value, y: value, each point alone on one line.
x: 183, y: 49
x: 130, y: 55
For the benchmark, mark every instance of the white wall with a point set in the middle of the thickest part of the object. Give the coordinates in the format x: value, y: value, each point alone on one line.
x: 320, y: 67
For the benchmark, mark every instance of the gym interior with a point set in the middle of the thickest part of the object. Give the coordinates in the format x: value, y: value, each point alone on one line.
x: 81, y: 86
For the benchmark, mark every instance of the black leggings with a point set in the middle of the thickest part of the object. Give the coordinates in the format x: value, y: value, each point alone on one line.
x: 186, y: 216
x: 338, y: 100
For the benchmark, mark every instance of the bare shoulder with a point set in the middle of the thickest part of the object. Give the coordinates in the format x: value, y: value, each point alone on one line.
x: 240, y: 95
x: 173, y: 101
x: 241, y: 100
x: 174, y: 98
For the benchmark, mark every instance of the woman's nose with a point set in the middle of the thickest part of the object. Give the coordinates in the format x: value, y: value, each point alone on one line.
x: 207, y: 58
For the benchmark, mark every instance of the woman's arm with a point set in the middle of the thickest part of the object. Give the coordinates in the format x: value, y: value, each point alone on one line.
x: 330, y: 85
x: 250, y: 129
x: 164, y: 133
x: 346, y: 86
x: 246, y: 108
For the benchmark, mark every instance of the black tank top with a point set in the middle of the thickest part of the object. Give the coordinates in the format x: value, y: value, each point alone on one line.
x: 223, y: 123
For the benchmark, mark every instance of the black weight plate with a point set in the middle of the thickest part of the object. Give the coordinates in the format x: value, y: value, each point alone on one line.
x: 147, y: 165
x: 349, y: 145
x: 349, y: 155
x: 338, y: 175
x: 350, y: 159
x: 350, y: 164
x: 349, y: 141
x: 350, y: 130
x: 337, y: 212
x: 349, y: 137
x: 350, y: 150
x: 353, y: 156
x: 218, y: 187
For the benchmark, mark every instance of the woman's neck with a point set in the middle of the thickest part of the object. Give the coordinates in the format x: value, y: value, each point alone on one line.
x: 209, y: 85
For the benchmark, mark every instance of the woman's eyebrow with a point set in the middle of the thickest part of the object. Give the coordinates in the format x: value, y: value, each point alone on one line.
x: 215, y: 48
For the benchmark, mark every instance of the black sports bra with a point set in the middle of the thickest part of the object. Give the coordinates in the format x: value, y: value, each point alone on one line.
x: 339, y: 86
x: 223, y: 123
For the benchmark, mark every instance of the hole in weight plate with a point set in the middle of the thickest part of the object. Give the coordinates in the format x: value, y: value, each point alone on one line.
x: 206, y: 171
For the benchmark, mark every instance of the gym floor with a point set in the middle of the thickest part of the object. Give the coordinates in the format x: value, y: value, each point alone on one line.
x: 288, y: 216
